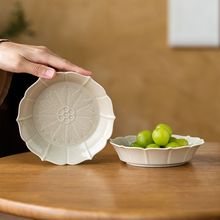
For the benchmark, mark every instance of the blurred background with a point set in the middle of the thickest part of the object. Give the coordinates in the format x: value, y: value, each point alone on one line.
x: 124, y: 43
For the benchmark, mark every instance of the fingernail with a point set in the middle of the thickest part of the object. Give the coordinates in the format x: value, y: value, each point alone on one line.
x: 49, y: 73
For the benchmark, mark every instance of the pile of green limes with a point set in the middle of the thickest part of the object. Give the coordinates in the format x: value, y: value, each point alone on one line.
x: 160, y: 137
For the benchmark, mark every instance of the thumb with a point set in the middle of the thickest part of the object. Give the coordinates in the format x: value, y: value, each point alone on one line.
x: 38, y: 70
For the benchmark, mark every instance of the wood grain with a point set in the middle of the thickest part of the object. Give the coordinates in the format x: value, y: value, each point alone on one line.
x: 106, y: 188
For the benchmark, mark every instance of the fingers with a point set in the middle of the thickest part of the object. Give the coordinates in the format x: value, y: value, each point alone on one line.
x: 46, y: 57
x: 62, y: 64
x: 36, y: 60
x: 36, y: 69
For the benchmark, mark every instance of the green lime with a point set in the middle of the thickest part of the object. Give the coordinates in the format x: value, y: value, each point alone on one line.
x: 172, y: 144
x: 153, y: 146
x: 161, y: 136
x: 169, y: 129
x: 135, y: 144
x: 182, y: 142
x: 172, y: 139
x: 144, y: 138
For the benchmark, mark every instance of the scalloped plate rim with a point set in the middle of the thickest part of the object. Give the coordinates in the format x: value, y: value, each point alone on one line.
x: 105, y: 139
x: 160, y: 149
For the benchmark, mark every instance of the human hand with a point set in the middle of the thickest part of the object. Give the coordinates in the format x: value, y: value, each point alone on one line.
x: 36, y: 60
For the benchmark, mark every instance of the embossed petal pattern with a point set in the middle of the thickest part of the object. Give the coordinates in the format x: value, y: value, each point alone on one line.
x: 70, y: 118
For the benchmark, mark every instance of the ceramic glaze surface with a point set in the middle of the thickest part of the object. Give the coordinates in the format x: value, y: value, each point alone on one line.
x: 66, y: 120
x: 155, y: 157
x: 65, y: 114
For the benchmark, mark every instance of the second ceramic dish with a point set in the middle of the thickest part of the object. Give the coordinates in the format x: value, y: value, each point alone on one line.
x: 155, y: 157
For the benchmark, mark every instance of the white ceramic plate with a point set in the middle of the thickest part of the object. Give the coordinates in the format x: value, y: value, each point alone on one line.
x: 155, y: 157
x: 66, y: 120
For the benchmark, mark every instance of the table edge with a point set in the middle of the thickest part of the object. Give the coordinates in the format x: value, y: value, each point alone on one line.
x: 49, y: 213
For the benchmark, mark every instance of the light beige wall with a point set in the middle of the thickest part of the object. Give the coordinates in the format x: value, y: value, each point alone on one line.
x: 124, y: 43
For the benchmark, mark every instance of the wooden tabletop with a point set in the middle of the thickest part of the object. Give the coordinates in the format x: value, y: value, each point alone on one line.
x: 106, y: 188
